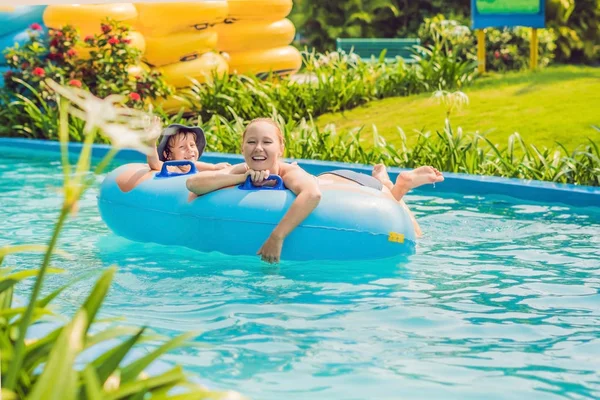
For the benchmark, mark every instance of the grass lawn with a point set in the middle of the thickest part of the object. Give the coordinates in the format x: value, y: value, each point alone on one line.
x: 557, y: 104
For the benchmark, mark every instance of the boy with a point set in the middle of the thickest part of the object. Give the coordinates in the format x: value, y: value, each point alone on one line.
x: 180, y: 142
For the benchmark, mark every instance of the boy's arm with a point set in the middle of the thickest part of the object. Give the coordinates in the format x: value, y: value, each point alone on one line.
x: 153, y: 161
x: 209, y: 181
x: 204, y: 166
x: 153, y: 131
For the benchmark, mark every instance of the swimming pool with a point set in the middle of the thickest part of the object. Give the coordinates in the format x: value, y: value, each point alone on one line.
x: 502, y: 300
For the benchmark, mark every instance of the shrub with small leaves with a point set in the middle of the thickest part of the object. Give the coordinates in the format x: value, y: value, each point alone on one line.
x: 105, y: 63
x: 506, y: 49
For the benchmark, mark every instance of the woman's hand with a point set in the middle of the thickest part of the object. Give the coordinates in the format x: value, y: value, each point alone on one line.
x: 257, y: 176
x: 270, y: 251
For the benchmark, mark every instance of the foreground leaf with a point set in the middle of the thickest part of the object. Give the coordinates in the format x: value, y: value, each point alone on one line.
x: 58, y: 381
x: 131, y: 371
x: 108, y: 362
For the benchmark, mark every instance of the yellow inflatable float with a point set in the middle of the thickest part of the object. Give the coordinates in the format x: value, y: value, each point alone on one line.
x: 280, y: 60
x: 179, y: 46
x: 254, y: 35
x: 200, y: 69
x: 266, y: 10
x: 88, y: 17
x: 161, y: 19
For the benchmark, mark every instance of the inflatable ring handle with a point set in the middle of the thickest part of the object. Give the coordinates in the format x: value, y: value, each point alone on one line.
x: 201, y: 27
x: 164, y: 173
x: 248, y: 185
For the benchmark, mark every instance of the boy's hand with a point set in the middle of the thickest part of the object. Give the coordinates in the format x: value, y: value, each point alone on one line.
x: 221, y: 165
x: 153, y: 129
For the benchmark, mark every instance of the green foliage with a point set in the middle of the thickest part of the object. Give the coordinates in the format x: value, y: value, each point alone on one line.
x: 509, y: 49
x: 448, y: 150
x: 575, y: 23
x: 319, y: 24
x: 111, y: 66
x: 577, y: 26
x: 339, y: 82
x: 506, y: 49
x: 104, y: 64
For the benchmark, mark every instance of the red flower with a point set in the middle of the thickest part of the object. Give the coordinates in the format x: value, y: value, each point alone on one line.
x: 75, y: 82
x: 24, y: 65
x: 134, y: 96
x: 7, y: 74
x: 497, y: 54
x: 88, y: 38
x: 58, y: 33
x: 71, y: 52
x: 126, y: 41
x: 35, y: 27
x: 113, y: 40
x: 105, y: 28
x: 55, y: 56
x: 39, y: 71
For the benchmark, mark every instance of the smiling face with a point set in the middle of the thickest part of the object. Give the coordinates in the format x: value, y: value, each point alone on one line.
x: 262, y: 145
x: 182, y: 146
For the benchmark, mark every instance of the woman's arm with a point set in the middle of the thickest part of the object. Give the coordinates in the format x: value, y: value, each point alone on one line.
x: 208, y: 181
x: 308, y: 196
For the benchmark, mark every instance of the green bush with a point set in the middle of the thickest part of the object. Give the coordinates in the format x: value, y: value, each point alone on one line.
x: 112, y: 67
x: 107, y: 70
x: 576, y: 23
x: 506, y: 49
x: 319, y: 24
x: 509, y: 49
x: 448, y: 150
x: 577, y: 26
x: 339, y: 82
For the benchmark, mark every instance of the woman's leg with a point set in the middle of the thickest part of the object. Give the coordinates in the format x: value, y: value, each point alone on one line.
x: 407, y: 180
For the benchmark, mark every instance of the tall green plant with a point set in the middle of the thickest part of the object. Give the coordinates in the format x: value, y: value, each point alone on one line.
x: 46, y: 367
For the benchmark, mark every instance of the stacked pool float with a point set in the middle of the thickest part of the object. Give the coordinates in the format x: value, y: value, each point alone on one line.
x: 181, y: 39
x: 256, y: 37
x: 88, y: 18
x: 186, y: 42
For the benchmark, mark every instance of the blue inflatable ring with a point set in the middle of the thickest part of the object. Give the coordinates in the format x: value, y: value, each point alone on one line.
x: 350, y: 222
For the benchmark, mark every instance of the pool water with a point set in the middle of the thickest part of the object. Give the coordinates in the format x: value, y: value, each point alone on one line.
x: 501, y: 302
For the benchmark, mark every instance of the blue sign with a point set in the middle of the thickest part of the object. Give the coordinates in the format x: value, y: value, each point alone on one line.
x: 508, y: 13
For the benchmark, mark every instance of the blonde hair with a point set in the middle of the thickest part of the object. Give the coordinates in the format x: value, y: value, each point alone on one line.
x: 269, y: 121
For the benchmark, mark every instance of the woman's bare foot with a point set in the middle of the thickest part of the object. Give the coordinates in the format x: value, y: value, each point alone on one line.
x: 408, y: 180
x: 380, y: 173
